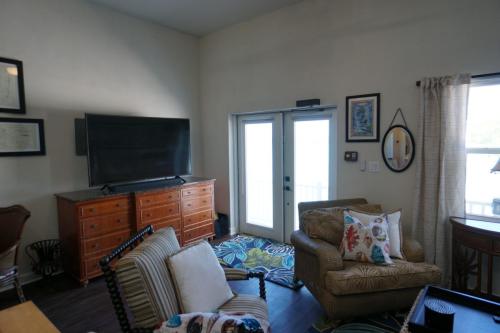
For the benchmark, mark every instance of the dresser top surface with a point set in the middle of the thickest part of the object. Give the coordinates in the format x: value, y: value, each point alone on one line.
x: 95, y: 194
x: 478, y: 224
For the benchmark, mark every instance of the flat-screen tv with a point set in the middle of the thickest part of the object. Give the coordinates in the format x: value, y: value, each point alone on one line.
x: 131, y: 149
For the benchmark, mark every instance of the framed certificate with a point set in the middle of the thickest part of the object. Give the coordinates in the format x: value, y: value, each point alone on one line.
x: 21, y: 137
x: 11, y: 86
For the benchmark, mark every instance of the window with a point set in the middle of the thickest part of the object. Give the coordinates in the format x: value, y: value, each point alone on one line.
x: 482, y: 195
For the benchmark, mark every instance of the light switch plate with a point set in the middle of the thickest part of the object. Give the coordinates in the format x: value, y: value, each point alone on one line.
x: 373, y: 166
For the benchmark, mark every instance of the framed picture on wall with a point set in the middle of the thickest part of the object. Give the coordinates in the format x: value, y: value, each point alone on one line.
x: 362, y: 118
x: 11, y: 86
x: 21, y: 137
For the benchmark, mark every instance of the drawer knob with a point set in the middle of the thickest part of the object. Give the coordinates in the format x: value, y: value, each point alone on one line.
x: 118, y: 205
x: 93, y: 226
x: 91, y: 210
x: 95, y: 245
x: 148, y: 215
x: 119, y: 221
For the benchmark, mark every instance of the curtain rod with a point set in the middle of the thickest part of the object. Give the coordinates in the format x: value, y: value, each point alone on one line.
x: 475, y: 76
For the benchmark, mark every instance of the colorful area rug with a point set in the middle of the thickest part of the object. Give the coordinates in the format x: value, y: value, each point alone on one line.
x: 257, y: 254
x: 381, y: 323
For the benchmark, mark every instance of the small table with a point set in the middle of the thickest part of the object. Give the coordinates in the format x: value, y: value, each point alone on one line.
x: 25, y: 317
x: 473, y: 241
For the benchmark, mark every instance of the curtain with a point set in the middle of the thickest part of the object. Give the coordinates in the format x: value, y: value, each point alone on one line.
x: 440, y: 164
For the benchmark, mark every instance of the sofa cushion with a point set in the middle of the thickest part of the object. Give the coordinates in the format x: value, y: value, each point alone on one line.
x: 145, y: 280
x: 328, y: 223
x: 358, y: 278
x: 199, y: 278
x: 251, y: 304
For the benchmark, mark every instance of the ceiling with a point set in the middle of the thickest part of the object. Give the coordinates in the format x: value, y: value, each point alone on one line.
x: 196, y: 17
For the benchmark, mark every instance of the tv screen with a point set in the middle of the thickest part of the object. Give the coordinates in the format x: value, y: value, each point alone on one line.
x: 127, y: 149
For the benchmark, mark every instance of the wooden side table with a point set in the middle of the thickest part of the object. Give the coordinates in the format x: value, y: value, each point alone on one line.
x: 474, y: 241
x: 25, y: 317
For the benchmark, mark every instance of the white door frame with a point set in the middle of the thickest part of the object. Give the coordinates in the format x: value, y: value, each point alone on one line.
x: 234, y: 189
x: 276, y: 232
x: 289, y: 135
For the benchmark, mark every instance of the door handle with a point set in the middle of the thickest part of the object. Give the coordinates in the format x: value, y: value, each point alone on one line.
x: 288, y: 188
x: 287, y: 178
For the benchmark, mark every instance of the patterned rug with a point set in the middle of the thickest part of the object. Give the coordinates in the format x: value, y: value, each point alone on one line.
x: 257, y: 254
x: 381, y: 323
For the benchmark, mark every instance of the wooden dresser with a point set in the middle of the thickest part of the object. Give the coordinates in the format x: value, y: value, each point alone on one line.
x: 91, y: 224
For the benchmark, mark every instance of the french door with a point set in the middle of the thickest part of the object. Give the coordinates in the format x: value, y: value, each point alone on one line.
x: 283, y: 158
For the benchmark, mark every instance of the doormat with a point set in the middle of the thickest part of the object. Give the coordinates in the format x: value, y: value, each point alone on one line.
x: 380, y: 323
x: 274, y: 259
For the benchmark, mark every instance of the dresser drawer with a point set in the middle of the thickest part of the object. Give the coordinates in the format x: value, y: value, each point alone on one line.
x: 198, y: 233
x: 92, y: 267
x: 197, y: 190
x: 97, y: 226
x: 196, y: 204
x: 175, y: 223
x: 158, y: 198
x: 107, y: 207
x: 111, y: 241
x: 199, y: 217
x: 162, y: 212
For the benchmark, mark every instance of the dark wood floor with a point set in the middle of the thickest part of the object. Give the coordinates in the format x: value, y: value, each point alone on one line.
x: 76, y: 309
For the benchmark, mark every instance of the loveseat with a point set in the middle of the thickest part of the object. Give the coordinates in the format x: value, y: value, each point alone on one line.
x: 347, y: 289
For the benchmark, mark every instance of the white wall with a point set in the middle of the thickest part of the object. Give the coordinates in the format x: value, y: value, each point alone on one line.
x: 332, y: 49
x: 80, y: 57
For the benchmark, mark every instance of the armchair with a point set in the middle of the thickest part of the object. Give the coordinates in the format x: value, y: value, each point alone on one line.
x: 12, y: 220
x: 346, y: 288
x: 143, y: 277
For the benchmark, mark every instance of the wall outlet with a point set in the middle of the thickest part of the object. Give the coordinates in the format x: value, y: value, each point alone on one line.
x: 373, y: 166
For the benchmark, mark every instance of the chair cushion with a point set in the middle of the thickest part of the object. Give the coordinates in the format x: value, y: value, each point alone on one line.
x: 395, y: 229
x: 366, y: 241
x: 251, y: 304
x: 358, y: 278
x: 328, y: 223
x: 145, y: 280
x: 199, y: 278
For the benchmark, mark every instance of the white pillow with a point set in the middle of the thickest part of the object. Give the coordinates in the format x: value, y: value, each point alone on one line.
x: 199, y: 279
x: 395, y: 234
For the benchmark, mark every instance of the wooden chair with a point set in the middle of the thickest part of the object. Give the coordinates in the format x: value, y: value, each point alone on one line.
x: 12, y: 220
x: 143, y: 277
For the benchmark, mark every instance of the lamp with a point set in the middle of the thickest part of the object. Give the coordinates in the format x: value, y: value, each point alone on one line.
x: 496, y: 168
x: 11, y: 71
x: 496, y: 202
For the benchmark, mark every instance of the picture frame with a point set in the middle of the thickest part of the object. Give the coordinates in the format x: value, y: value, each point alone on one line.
x: 12, y: 86
x: 21, y: 137
x: 362, y: 118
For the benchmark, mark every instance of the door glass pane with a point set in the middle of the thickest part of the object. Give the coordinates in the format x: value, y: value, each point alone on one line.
x: 259, y: 173
x: 311, y: 162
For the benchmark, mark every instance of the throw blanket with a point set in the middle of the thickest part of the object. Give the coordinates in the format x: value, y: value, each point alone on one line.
x: 198, y: 322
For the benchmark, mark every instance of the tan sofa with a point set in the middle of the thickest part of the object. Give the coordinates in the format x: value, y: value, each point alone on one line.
x: 347, y: 289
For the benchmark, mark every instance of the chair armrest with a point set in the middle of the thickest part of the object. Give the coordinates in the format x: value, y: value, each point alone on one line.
x: 413, y: 250
x: 328, y: 255
x: 242, y: 274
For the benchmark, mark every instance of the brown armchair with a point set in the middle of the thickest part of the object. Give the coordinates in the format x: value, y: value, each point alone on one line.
x: 12, y: 220
x: 346, y: 288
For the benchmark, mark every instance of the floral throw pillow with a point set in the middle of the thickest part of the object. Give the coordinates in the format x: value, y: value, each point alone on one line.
x: 366, y: 242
